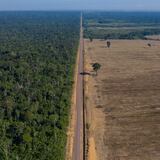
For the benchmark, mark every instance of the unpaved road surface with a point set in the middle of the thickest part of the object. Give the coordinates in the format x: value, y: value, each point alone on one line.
x: 78, y: 138
x: 123, y: 101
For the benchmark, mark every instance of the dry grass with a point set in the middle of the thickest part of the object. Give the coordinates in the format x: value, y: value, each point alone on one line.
x: 154, y: 37
x: 124, y: 99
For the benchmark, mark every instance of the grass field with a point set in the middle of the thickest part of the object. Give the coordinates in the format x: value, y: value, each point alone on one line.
x: 123, y: 104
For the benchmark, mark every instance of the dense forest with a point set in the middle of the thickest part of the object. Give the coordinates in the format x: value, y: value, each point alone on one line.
x: 121, y: 25
x: 37, y: 57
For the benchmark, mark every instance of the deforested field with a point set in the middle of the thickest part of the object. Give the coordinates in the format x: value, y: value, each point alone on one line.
x: 37, y: 59
x: 123, y: 103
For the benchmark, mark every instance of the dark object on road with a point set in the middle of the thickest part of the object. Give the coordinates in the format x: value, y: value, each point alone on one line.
x: 149, y: 45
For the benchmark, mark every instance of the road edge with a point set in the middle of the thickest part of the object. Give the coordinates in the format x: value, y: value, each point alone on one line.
x: 72, y: 114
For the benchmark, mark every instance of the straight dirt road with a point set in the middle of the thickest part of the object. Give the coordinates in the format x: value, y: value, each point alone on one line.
x: 78, y: 136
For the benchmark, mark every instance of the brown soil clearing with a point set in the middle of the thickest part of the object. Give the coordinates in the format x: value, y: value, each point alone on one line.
x: 123, y: 101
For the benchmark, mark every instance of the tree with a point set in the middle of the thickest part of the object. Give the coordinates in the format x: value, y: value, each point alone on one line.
x: 96, y: 67
x: 27, y: 138
x: 108, y: 44
x: 91, y: 39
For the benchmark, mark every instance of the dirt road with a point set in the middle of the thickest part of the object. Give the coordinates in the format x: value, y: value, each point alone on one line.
x: 78, y: 138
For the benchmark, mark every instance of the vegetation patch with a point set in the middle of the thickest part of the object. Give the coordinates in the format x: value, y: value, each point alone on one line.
x: 121, y: 25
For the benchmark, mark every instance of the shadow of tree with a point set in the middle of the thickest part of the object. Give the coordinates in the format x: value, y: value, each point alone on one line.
x: 85, y: 73
x: 93, y: 74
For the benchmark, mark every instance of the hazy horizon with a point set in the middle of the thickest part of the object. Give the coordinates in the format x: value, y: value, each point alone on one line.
x: 98, y: 5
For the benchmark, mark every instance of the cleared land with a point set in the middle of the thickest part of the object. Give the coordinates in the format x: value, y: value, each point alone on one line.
x: 123, y: 104
x: 154, y: 37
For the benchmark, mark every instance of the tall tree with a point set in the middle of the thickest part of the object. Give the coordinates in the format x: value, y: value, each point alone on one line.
x: 96, y: 67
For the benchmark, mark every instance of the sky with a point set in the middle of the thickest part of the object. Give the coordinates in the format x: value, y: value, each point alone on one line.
x: 109, y: 5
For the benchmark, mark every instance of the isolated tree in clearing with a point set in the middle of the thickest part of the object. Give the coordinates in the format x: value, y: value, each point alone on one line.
x: 108, y: 44
x: 96, y: 67
x: 91, y: 39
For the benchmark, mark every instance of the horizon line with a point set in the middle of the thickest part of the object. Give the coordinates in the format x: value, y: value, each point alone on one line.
x: 78, y: 10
